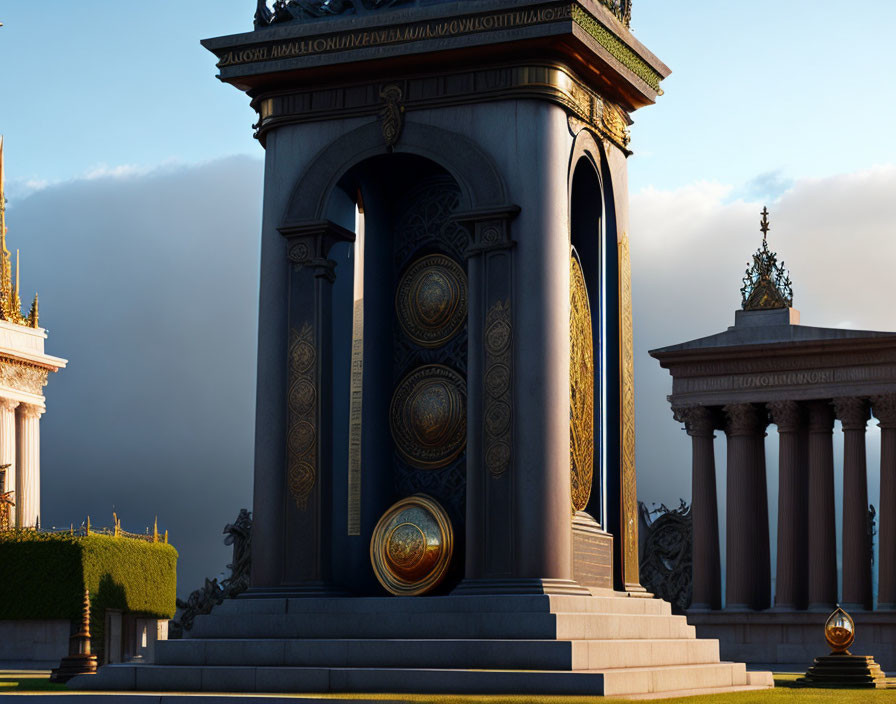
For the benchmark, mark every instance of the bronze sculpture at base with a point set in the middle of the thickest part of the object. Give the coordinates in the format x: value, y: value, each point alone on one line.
x: 841, y: 668
x: 79, y: 660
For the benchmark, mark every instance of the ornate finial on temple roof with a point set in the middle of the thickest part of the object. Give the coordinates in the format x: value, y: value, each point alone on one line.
x: 767, y: 283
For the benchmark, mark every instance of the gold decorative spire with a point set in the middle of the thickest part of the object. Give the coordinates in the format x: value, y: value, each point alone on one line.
x: 10, y: 303
x: 767, y: 283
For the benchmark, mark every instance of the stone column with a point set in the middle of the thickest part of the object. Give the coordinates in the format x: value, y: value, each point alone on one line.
x: 8, y: 452
x: 706, y: 581
x: 853, y: 413
x: 822, y: 522
x: 791, y: 583
x: 747, y: 558
x: 307, y: 487
x: 885, y: 411
x: 28, y: 465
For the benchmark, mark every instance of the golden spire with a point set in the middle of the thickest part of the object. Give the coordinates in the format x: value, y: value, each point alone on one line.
x: 5, y: 288
x: 10, y: 303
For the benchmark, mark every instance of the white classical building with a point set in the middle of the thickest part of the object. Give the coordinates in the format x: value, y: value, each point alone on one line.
x: 24, y: 369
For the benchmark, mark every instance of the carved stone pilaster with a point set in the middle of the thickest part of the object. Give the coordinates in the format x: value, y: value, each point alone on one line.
x: 852, y: 412
x: 699, y: 421
x: 309, y: 437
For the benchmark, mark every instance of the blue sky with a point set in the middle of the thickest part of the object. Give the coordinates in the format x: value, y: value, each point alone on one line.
x: 135, y: 193
x: 762, y: 92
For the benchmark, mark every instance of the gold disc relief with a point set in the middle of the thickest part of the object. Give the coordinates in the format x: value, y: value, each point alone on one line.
x: 431, y: 300
x: 581, y: 388
x: 412, y: 545
x: 428, y: 416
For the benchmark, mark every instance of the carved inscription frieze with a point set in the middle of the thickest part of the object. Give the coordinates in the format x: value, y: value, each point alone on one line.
x: 301, y: 449
x: 777, y: 380
x: 23, y: 377
x: 498, y: 382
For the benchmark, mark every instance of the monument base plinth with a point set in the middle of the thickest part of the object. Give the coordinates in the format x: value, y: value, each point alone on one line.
x: 845, y: 670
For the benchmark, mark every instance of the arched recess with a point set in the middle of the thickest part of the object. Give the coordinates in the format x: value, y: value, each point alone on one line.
x: 592, y: 226
x: 474, y: 171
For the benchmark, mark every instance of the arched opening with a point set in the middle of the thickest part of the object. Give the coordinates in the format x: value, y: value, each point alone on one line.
x: 587, y: 242
x: 390, y: 326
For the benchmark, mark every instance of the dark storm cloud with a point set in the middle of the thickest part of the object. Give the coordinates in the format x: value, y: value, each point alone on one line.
x: 148, y: 286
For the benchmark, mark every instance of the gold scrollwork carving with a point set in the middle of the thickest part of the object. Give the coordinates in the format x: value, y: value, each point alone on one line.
x: 629, y: 482
x: 301, y: 441
x: 497, y: 380
x: 581, y: 388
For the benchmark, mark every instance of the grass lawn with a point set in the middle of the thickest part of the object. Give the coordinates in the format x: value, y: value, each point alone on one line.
x: 785, y: 691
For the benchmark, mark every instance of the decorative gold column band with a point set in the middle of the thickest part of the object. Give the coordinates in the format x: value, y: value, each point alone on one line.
x: 628, y: 479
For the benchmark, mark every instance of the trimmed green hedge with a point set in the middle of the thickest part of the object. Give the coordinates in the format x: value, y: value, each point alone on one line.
x: 45, y: 574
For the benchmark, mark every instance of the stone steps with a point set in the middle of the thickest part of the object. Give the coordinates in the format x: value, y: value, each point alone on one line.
x: 391, y: 625
x: 610, y: 682
x: 462, y: 654
x: 536, y: 603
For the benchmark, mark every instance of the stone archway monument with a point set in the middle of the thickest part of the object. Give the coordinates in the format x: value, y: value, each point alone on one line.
x: 445, y: 394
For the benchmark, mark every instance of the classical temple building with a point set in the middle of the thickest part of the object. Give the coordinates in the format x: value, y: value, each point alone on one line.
x: 768, y: 369
x: 24, y: 369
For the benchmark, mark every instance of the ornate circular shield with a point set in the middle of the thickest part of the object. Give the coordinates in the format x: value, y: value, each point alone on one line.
x: 411, y: 546
x: 429, y: 416
x: 431, y: 301
x: 581, y: 388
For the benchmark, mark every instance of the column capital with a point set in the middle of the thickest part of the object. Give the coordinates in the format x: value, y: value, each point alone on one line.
x: 744, y: 419
x: 821, y: 417
x: 8, y: 404
x: 884, y: 409
x: 787, y: 415
x: 853, y: 412
x: 308, y: 245
x: 698, y: 420
x: 29, y: 410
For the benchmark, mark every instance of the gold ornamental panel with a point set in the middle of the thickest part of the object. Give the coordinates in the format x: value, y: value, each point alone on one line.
x: 431, y: 300
x: 428, y: 416
x: 411, y: 546
x: 581, y: 388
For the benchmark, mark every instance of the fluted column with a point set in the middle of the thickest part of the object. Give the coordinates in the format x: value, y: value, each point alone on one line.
x: 747, y: 560
x: 28, y: 465
x: 885, y: 411
x: 8, y: 451
x: 822, y: 521
x: 853, y: 414
x: 706, y: 566
x: 791, y: 583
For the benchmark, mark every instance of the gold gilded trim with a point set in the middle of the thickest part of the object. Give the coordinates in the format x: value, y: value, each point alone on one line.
x: 498, y: 387
x: 301, y: 443
x: 628, y: 480
x: 431, y: 300
x: 581, y: 388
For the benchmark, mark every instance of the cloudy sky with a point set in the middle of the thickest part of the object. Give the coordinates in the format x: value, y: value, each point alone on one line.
x: 134, y: 188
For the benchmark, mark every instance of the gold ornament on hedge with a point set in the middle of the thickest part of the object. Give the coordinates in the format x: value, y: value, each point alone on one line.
x: 431, y: 300
x: 839, y: 631
x: 428, y: 416
x: 581, y: 388
x: 412, y: 545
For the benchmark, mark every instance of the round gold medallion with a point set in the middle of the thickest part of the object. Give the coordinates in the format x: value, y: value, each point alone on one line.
x: 412, y: 546
x: 431, y: 301
x: 581, y: 388
x: 428, y: 416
